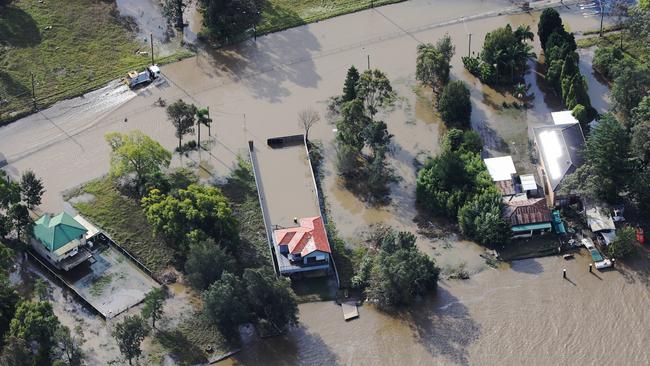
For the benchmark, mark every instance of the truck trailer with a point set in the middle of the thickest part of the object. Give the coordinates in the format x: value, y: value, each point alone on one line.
x: 135, y: 78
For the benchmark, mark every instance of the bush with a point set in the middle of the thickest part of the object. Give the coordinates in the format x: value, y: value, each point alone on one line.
x: 473, y: 65
x: 455, y: 105
x: 623, y: 244
x: 605, y: 59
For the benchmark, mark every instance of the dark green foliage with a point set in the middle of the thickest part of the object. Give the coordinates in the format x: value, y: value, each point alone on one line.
x: 225, y: 305
x: 443, y: 184
x: 464, y: 141
x: 31, y: 189
x: 348, y: 161
x: 608, y: 152
x: 631, y: 84
x: 549, y: 22
x: 480, y: 219
x: 641, y: 141
x: 374, y: 89
x: 173, y: 10
x: 183, y: 116
x: 396, y: 272
x: 577, y: 93
x: 153, y: 305
x: 206, y: 262
x: 129, y: 334
x: 624, y: 243
x: 580, y: 113
x: 350, y: 85
x: 271, y: 299
x: 16, y: 352
x: 21, y: 222
x: 605, y: 59
x: 560, y: 45
x: 229, y: 18
x: 36, y: 322
x: 8, y: 301
x: 455, y: 105
x: 352, y: 124
x: 641, y: 113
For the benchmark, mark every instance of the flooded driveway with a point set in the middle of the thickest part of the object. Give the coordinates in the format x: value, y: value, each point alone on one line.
x: 524, y: 314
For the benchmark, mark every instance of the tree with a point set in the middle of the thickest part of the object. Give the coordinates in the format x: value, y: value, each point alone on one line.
x: 203, y: 118
x: 463, y: 141
x: 197, y: 208
x: 206, y: 262
x: 644, y: 5
x: 8, y: 301
x: 271, y: 299
x: 549, y: 22
x: 348, y: 160
x: 138, y: 154
x: 35, y: 322
x: 173, y: 10
x: 631, y: 84
x: 641, y: 141
x: 433, y: 63
x: 16, y: 352
x: 31, y: 189
x: 182, y: 116
x: 70, y: 345
x: 225, y: 304
x: 153, y: 305
x: 641, y: 113
x: 352, y: 123
x: 398, y: 272
x: 375, y: 90
x: 129, y: 334
x: 623, y: 245
x: 481, y: 220
x: 350, y: 86
x: 226, y: 19
x: 9, y: 191
x: 507, y: 50
x: 5, y: 3
x: 606, y: 59
x: 577, y: 94
x: 608, y: 152
x: 306, y: 119
x: 455, y: 105
x: 21, y: 222
x: 443, y: 184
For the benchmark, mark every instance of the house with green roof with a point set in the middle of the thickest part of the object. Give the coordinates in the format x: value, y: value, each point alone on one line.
x: 60, y: 240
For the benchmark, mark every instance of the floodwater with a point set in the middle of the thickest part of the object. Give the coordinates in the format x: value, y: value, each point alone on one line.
x: 524, y: 314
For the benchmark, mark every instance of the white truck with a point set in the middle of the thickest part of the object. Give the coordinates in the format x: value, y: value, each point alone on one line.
x: 135, y: 78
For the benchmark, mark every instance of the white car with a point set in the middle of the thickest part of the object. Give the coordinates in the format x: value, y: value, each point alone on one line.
x: 606, y: 263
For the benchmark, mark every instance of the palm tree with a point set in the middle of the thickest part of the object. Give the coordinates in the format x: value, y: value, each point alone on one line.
x: 203, y: 118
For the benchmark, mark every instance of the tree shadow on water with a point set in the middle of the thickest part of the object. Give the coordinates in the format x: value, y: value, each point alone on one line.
x: 443, y: 325
x: 17, y: 28
x: 265, y: 64
x: 297, y: 347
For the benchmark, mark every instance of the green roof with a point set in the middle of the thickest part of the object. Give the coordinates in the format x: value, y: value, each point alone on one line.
x: 55, y: 232
x: 529, y: 227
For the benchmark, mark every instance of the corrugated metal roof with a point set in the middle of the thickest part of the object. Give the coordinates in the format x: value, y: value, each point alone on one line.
x: 528, y: 182
x: 501, y: 168
x: 529, y: 211
x: 560, y: 148
x: 55, y: 232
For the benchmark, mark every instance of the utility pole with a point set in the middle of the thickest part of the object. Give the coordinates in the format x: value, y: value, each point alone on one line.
x: 469, y: 48
x: 151, y: 37
x: 368, y: 62
x: 602, y: 15
x: 33, y: 91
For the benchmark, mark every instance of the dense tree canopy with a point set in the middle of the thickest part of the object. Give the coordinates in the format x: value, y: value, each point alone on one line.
x: 271, y: 299
x: 226, y: 19
x: 197, y: 210
x: 549, y: 22
x: 36, y: 322
x: 480, y: 218
x: 225, y: 304
x: 206, y: 262
x: 434, y: 62
x: 8, y: 301
x: 31, y: 189
x: 374, y: 89
x: 129, y: 334
x: 624, y: 243
x: 350, y: 85
x: 455, y: 105
x: 631, y: 84
x: 138, y: 154
x: 183, y: 116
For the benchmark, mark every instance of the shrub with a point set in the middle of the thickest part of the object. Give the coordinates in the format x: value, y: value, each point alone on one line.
x: 455, y: 105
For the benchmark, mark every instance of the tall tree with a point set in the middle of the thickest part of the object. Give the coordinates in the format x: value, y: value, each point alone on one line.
x: 203, y: 118
x: 8, y: 302
x: 307, y: 118
x: 36, y: 322
x: 31, y: 189
x: 455, y: 105
x: 631, y: 84
x: 129, y: 334
x: 641, y: 113
x: 507, y: 50
x: 9, y: 191
x: 375, y: 90
x: 433, y: 63
x: 228, y: 18
x: 17, y: 352
x: 480, y: 219
x: 138, y: 154
x: 21, y: 222
x: 206, y: 262
x: 350, y: 86
x: 153, y: 305
x: 182, y: 115
x: 226, y: 306
x: 173, y: 10
x: 271, y: 299
x: 352, y: 123
x: 549, y: 22
x: 70, y: 345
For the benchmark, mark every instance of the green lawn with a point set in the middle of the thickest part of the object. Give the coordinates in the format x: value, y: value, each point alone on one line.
x: 283, y: 14
x: 71, y: 47
x: 125, y: 222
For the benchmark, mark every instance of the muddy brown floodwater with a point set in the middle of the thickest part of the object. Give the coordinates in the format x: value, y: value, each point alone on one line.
x: 523, y: 314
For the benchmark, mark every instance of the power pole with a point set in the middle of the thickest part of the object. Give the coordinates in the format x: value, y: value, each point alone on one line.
x: 33, y: 91
x: 368, y: 62
x: 469, y: 48
x: 151, y: 37
x: 602, y: 15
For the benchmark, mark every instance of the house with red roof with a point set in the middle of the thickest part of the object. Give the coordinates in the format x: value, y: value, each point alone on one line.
x: 302, y: 248
x: 527, y: 215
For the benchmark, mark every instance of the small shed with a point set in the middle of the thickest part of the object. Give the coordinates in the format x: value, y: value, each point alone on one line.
x: 528, y: 182
x: 501, y: 168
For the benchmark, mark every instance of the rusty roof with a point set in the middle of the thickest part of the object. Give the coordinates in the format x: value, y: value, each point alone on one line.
x: 529, y: 211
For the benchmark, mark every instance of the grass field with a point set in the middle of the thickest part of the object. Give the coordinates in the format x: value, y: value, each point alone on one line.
x: 283, y: 14
x: 125, y: 222
x: 70, y: 46
x: 631, y: 45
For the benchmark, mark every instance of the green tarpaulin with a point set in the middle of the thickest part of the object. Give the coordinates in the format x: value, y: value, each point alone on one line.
x: 529, y: 227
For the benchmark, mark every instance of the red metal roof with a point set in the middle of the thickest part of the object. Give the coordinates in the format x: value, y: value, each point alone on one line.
x: 310, y: 236
x: 530, y: 211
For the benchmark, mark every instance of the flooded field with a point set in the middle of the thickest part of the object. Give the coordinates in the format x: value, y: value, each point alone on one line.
x: 523, y: 314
